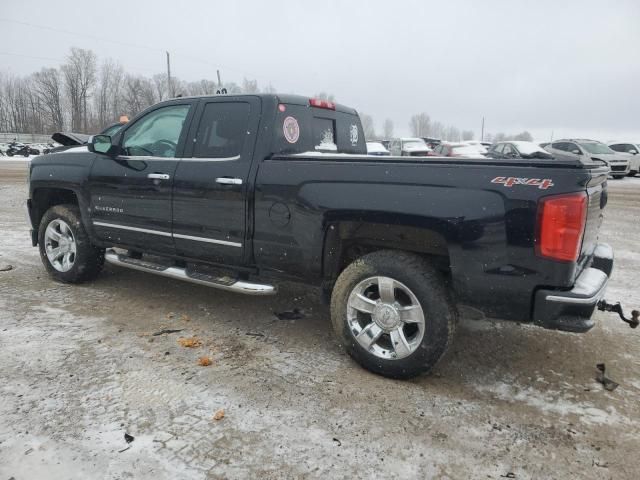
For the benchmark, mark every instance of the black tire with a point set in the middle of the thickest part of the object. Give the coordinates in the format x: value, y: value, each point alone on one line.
x: 430, y: 288
x: 618, y: 177
x: 89, y: 259
x: 632, y: 173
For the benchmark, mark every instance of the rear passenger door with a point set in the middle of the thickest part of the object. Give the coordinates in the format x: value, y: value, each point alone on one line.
x: 210, y: 186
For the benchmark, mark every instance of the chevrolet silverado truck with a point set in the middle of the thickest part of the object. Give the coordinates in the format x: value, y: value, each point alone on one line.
x: 243, y: 192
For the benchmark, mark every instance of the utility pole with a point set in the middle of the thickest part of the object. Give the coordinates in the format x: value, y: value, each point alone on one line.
x: 170, y: 91
x: 482, y: 131
x: 219, y: 81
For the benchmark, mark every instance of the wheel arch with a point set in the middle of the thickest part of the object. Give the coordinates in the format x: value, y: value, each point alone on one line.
x: 43, y: 198
x: 348, y: 239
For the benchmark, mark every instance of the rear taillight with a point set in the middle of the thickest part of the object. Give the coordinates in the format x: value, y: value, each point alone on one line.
x: 316, y: 102
x: 561, y: 222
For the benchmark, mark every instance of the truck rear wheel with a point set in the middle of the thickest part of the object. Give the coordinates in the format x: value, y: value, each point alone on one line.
x: 394, y: 313
x: 65, y: 248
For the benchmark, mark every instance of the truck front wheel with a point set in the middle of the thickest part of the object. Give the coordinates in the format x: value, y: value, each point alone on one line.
x: 394, y: 313
x: 65, y: 248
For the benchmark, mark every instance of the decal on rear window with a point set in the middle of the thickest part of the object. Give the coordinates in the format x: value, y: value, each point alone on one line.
x: 531, y: 182
x: 353, y: 134
x: 291, y: 129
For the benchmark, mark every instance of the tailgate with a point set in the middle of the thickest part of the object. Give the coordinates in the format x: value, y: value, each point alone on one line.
x: 597, y: 191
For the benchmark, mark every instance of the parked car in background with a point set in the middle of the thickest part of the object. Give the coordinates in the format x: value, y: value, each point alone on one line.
x: 592, y: 151
x: 432, y: 142
x: 69, y: 140
x: 409, y: 147
x: 483, y: 147
x: 458, y: 150
x: 376, y: 148
x: 633, y: 151
x: 385, y: 143
x: 517, y: 149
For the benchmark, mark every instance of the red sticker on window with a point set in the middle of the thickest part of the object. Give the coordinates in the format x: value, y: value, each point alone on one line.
x: 291, y: 129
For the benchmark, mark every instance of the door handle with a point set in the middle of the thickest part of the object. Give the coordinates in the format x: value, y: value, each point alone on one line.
x: 159, y: 176
x: 229, y: 181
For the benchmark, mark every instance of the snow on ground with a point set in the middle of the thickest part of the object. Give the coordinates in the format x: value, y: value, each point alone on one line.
x: 80, y: 368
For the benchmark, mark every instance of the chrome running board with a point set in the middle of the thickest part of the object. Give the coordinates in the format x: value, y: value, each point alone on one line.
x: 222, y: 283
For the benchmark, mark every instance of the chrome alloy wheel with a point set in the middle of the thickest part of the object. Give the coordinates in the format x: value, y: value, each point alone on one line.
x: 385, y: 318
x: 60, y: 245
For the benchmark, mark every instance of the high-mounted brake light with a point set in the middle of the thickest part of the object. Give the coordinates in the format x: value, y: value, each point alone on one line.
x: 561, y: 222
x: 316, y: 102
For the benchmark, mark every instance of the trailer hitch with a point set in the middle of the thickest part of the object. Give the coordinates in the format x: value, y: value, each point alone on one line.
x: 617, y: 308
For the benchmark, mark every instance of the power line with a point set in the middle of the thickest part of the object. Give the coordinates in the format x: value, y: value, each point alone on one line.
x: 31, y: 56
x: 126, y: 44
x: 69, y: 32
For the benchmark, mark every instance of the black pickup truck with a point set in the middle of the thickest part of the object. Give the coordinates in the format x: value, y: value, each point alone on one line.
x: 240, y: 192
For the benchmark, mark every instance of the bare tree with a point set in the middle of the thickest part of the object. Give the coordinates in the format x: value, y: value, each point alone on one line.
x: 387, y: 128
x: 503, y: 137
x: 79, y: 75
x: 107, y: 97
x: 250, y: 86
x: 437, y: 130
x: 467, y: 135
x: 452, y: 134
x: 86, y: 99
x: 48, y: 88
x: 523, y: 136
x: 367, y: 126
x: 420, y: 125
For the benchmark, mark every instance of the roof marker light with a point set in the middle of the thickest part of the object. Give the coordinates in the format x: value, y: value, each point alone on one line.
x: 316, y: 102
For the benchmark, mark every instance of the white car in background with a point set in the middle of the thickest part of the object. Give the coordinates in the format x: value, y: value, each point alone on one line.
x: 632, y: 150
x: 376, y: 148
x: 409, y: 147
x: 590, y: 150
x: 482, y: 147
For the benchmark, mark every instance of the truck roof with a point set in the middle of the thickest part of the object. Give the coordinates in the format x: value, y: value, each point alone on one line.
x: 277, y: 97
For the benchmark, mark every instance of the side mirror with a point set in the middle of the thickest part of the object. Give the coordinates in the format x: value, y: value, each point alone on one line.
x: 99, y: 144
x: 577, y: 152
x: 633, y: 152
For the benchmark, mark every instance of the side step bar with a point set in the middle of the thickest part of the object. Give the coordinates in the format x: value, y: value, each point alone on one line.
x: 223, y: 283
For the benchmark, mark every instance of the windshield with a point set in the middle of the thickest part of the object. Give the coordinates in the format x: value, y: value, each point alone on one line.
x: 112, y: 129
x: 527, y: 148
x: 375, y: 147
x: 597, y: 148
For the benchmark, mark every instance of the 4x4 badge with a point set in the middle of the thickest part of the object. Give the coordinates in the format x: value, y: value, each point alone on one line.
x: 542, y: 184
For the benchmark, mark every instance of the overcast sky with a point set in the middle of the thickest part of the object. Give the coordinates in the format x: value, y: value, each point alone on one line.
x: 569, y: 67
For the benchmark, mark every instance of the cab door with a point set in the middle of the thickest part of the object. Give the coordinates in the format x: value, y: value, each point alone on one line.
x: 212, y: 181
x: 131, y: 192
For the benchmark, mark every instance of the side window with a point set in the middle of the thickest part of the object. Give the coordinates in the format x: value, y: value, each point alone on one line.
x: 572, y: 146
x: 559, y: 146
x: 507, y: 149
x: 157, y: 133
x: 618, y: 147
x: 498, y: 148
x: 222, y: 130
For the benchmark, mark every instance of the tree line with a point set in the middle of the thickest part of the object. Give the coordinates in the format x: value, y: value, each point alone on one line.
x: 84, y: 95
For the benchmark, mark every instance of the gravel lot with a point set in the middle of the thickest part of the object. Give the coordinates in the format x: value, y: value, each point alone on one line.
x: 80, y: 367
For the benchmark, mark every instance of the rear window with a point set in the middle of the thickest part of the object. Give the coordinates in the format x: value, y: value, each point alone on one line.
x: 324, y: 134
x: 304, y: 129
